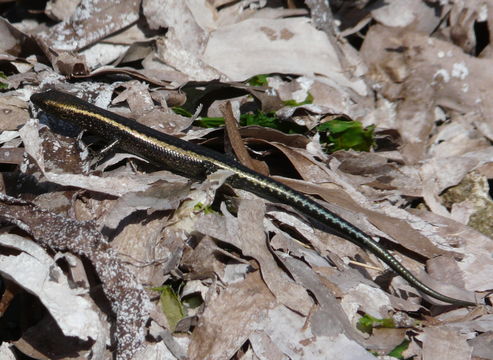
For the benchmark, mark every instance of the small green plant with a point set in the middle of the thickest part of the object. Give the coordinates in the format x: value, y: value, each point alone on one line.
x: 258, y: 80
x: 209, y: 122
x: 181, y: 111
x: 344, y: 134
x: 337, y: 134
x: 260, y: 118
x: 367, y: 322
x: 399, y: 349
x: 207, y: 209
x: 171, y: 305
x: 3, y: 85
x: 205, y: 122
x: 270, y: 120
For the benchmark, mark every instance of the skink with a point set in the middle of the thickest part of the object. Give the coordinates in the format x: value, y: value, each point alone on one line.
x: 196, y: 162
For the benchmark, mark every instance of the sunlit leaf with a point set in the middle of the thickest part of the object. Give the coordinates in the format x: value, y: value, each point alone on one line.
x: 206, y: 209
x: 399, y: 349
x: 209, y: 122
x: 367, y: 322
x: 258, y: 80
x: 170, y: 305
x: 343, y: 134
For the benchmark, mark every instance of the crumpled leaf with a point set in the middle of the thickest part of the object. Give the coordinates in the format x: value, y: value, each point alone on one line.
x: 33, y: 270
x: 232, y: 324
x: 14, y: 113
x: 439, y: 174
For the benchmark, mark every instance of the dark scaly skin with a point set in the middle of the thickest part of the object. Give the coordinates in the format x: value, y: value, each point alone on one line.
x: 196, y: 162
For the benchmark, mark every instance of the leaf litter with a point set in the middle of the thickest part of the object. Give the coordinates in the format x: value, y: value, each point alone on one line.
x: 253, y: 279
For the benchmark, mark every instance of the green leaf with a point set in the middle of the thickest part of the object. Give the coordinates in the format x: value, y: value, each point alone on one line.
x: 308, y: 100
x: 258, y: 80
x: 367, y: 322
x: 207, y: 209
x: 346, y: 134
x: 399, y: 349
x: 270, y: 120
x: 209, y: 122
x: 2, y: 84
x: 181, y: 111
x: 170, y: 305
x: 260, y: 118
x: 206, y: 122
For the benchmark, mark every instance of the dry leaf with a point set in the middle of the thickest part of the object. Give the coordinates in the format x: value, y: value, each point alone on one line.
x: 232, y: 324
x: 437, y: 344
x: 314, y: 54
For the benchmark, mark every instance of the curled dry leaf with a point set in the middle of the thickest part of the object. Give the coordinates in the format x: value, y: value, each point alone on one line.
x: 476, y: 263
x: 304, y: 344
x: 253, y: 243
x: 456, y: 81
x: 75, y: 314
x: 439, y: 174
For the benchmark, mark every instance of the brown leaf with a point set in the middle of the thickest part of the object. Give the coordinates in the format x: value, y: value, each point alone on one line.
x: 11, y: 155
x: 273, y: 135
x: 253, y: 243
x: 247, y: 234
x: 14, y: 42
x: 446, y: 343
x: 237, y: 143
x: 91, y: 21
x: 14, y: 113
x: 315, y: 54
x: 329, y: 319
x: 230, y: 318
